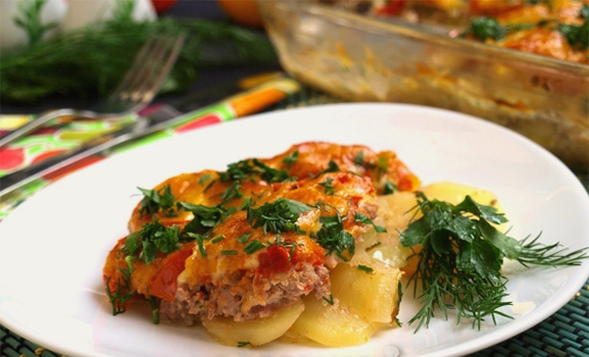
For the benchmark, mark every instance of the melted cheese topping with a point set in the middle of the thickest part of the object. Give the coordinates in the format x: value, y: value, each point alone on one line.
x: 362, y: 174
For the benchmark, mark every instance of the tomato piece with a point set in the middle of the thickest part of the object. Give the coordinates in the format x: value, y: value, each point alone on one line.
x: 392, y: 8
x: 164, y: 283
x: 274, y: 260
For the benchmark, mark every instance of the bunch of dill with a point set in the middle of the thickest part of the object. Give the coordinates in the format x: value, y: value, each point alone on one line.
x: 89, y: 62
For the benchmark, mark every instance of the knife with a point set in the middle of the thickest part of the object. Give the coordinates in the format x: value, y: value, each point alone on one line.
x: 164, y: 116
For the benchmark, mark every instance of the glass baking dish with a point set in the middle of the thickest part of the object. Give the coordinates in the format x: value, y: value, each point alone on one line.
x: 368, y: 59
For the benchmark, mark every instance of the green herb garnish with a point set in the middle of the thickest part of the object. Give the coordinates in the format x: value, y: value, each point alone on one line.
x: 199, y: 241
x: 360, y: 218
x: 123, y: 292
x: 576, y: 35
x: 486, y: 27
x: 359, y: 158
x: 205, y: 217
x: 334, y: 238
x: 328, y: 299
x: 389, y: 188
x: 365, y: 268
x: 382, y: 164
x: 244, y: 237
x: 253, y: 246
x: 217, y: 239
x: 232, y: 192
x: 331, y: 167
x: 151, y: 239
x: 277, y: 216
x: 461, y: 257
x: 291, y: 159
x: 204, y: 178
x: 229, y: 252
x: 327, y: 185
x: 29, y: 19
x: 155, y: 201
x: 244, y: 169
x: 243, y: 343
x: 155, y: 309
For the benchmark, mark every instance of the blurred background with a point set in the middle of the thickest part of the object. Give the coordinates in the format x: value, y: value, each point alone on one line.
x: 58, y: 53
x: 523, y: 64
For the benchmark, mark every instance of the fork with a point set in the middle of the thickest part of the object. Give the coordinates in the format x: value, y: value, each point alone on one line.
x: 139, y: 85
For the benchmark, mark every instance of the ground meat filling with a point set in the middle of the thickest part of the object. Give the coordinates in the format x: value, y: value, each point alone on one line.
x: 245, y: 295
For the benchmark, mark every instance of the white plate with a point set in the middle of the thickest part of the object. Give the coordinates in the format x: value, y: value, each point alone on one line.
x: 53, y: 246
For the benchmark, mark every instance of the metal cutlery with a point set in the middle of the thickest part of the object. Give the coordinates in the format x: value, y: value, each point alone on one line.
x: 138, y: 87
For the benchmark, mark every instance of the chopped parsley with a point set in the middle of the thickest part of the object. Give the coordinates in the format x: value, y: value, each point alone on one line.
x: 237, y: 171
x: 155, y: 201
x: 328, y: 299
x: 244, y: 237
x: 359, y: 158
x: 461, y: 257
x: 382, y: 165
x: 217, y: 239
x: 327, y: 185
x: 291, y: 159
x: 360, y: 218
x: 123, y: 292
x: 205, y: 217
x: 253, y: 246
x: 331, y: 167
x: 486, y: 27
x: 155, y: 309
x: 200, y: 242
x: 204, y: 178
x: 365, y: 268
x: 232, y: 192
x: 334, y: 238
x: 389, y: 188
x: 277, y: 216
x: 228, y: 252
x: 243, y: 343
x: 576, y: 35
x: 151, y: 239
x: 244, y: 169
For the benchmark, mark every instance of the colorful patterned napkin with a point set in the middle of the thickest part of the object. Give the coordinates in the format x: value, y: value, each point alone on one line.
x: 61, y: 136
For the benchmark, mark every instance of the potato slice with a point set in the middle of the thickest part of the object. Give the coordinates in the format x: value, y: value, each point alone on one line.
x: 456, y: 192
x: 374, y: 296
x: 256, y: 332
x: 332, y: 325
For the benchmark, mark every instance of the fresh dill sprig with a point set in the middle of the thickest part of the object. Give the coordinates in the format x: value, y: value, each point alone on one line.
x: 461, y: 256
x: 29, y: 19
x: 90, y: 61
